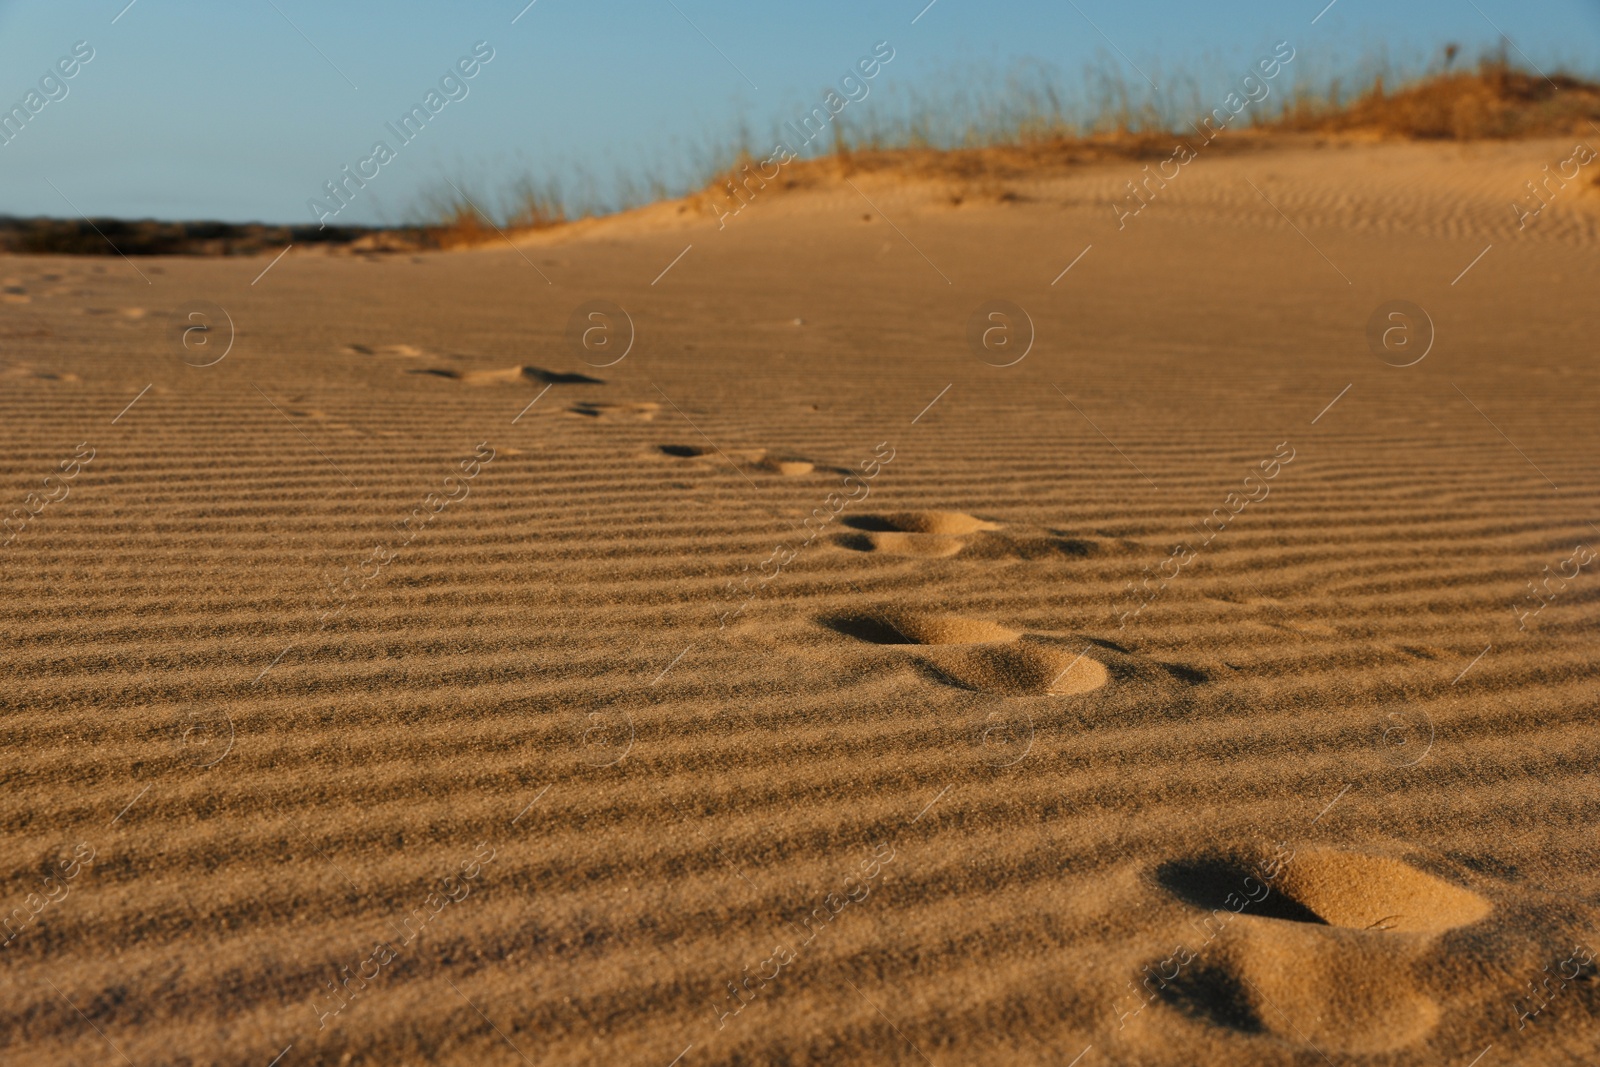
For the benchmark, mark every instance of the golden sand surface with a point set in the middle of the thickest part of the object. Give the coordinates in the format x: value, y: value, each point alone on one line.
x: 396, y: 673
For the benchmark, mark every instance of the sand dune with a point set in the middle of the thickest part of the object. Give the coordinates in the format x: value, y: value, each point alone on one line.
x: 404, y: 688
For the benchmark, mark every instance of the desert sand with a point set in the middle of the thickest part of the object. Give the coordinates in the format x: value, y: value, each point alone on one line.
x: 408, y: 683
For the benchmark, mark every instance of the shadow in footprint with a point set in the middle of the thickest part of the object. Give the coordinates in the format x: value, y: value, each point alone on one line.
x: 683, y: 451
x: 1218, y: 884
x: 865, y: 628
x: 510, y: 374
x: 635, y: 412
x: 1189, y: 675
x: 870, y: 523
x: 1214, y: 995
x: 555, y: 377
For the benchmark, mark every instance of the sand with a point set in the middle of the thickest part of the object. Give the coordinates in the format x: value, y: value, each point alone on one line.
x: 405, y: 687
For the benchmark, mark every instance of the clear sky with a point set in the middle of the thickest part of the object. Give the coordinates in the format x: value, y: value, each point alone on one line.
x: 241, y: 110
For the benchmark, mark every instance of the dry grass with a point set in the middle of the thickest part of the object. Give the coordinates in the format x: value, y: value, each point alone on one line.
x: 1033, y: 137
x: 1495, y: 102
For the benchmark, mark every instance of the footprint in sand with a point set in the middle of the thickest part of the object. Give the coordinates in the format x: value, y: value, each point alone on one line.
x: 1319, y: 948
x: 987, y: 657
x: 644, y: 411
x: 980, y: 655
x: 935, y: 534
x: 29, y: 370
x: 941, y: 534
x: 13, y: 292
x: 510, y: 375
x: 404, y: 351
x: 749, y: 459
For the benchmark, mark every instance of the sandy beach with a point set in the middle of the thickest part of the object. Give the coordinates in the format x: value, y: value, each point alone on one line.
x: 1199, y: 671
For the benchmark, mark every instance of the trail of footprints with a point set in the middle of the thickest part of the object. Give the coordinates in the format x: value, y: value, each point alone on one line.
x: 1323, y: 950
x: 437, y: 367
x: 517, y: 374
x: 961, y: 652
x: 1316, y: 952
x: 19, y: 290
x: 980, y: 655
x: 1319, y: 952
x: 756, y: 459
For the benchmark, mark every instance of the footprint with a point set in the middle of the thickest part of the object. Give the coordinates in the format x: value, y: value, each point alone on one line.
x: 131, y: 314
x: 940, y: 523
x: 754, y: 459
x: 987, y: 657
x: 789, y: 468
x: 29, y: 370
x: 980, y: 655
x: 13, y: 293
x: 644, y: 411
x: 510, y: 374
x: 896, y: 543
x: 922, y: 628
x: 407, y: 351
x: 1320, y: 949
x: 941, y: 534
x: 1327, y: 887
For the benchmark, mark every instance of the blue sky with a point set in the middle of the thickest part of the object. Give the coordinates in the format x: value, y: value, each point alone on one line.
x: 242, y: 110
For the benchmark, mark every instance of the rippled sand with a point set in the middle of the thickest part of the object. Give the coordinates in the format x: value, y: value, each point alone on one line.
x: 796, y: 684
